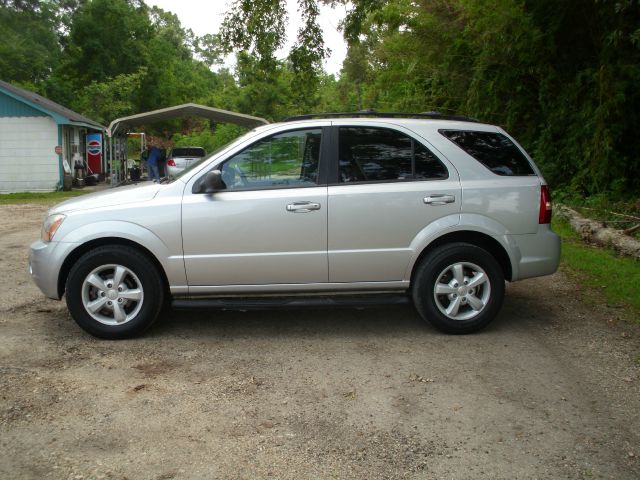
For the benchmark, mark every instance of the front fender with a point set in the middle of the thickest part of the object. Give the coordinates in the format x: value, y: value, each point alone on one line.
x: 169, y: 256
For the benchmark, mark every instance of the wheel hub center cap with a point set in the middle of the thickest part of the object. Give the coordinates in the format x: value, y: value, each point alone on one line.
x: 112, y: 294
x: 462, y: 291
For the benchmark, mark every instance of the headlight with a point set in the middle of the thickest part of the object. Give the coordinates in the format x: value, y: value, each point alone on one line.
x: 50, y: 226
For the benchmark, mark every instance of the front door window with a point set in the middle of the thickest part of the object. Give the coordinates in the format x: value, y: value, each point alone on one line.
x: 282, y: 161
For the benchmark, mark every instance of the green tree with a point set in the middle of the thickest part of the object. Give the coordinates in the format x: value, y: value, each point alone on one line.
x: 107, y: 38
x: 264, y: 93
x: 210, y: 137
x: 256, y: 30
x: 30, y: 47
x: 306, y: 58
x: 111, y: 99
x: 147, y: 54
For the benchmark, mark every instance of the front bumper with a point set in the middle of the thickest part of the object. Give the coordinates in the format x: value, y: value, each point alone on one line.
x: 45, y: 262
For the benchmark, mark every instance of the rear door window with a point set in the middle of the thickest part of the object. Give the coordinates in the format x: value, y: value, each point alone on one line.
x: 370, y: 154
x: 493, y: 150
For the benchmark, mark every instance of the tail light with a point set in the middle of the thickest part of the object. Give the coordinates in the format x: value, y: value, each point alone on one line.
x: 545, y: 204
x: 171, y: 163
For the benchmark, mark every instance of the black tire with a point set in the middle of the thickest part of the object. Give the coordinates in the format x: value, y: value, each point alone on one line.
x: 438, y: 267
x: 141, y: 275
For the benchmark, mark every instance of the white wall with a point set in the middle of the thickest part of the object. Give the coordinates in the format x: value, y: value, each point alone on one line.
x: 28, y: 162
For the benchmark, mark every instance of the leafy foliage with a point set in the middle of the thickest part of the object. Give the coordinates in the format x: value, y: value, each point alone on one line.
x: 256, y: 29
x: 111, y: 99
x: 208, y: 138
x: 105, y: 40
x: 29, y: 48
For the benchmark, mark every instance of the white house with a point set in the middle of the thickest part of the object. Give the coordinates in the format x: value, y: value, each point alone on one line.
x: 36, y: 135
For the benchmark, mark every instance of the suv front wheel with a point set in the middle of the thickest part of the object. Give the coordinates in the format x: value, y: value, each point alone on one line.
x: 114, y: 292
x: 458, y: 288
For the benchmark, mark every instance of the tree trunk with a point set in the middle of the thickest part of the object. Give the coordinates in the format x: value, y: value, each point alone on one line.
x: 593, y: 232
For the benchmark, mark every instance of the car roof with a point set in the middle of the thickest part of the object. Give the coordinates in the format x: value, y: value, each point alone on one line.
x: 432, y: 123
x: 369, y: 113
x: 432, y: 119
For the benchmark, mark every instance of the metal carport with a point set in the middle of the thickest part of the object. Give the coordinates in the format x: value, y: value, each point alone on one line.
x: 118, y: 129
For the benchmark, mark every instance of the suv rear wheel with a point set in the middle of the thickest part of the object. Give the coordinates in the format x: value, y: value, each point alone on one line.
x: 114, y: 292
x: 458, y: 288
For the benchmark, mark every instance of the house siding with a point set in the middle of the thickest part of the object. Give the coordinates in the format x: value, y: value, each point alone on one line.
x: 28, y: 162
x: 10, y: 107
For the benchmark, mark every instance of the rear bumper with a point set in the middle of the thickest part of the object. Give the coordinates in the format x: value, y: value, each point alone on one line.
x: 172, y: 171
x: 535, y: 255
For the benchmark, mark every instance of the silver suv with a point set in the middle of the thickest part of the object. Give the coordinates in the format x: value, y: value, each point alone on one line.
x: 342, y: 210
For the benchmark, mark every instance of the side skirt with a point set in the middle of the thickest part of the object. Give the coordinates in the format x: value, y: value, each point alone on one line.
x: 292, y: 302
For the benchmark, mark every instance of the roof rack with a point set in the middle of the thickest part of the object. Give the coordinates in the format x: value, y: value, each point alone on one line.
x: 373, y: 113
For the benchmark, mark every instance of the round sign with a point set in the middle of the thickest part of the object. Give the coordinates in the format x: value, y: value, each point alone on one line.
x: 58, y: 150
x: 94, y: 147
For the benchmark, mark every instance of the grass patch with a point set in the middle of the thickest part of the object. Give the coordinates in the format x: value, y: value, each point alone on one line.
x: 616, y: 278
x: 39, y: 197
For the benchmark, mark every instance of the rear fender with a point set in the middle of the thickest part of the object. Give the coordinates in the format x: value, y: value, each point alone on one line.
x: 479, y: 224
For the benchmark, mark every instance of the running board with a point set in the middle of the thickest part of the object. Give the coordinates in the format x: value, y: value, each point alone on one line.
x: 268, y: 303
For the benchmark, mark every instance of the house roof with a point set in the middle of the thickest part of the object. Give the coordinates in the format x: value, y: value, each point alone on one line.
x: 61, y: 115
x: 122, y: 125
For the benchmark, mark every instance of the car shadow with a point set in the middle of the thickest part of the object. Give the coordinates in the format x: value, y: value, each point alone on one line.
x: 290, y: 322
x: 327, y: 322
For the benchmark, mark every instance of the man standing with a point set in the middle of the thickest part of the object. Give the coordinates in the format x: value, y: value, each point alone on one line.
x: 152, y: 163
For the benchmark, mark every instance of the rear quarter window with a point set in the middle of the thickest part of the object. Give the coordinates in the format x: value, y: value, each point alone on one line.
x: 493, y: 150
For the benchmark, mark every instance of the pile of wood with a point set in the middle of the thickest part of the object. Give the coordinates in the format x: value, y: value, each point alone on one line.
x: 592, y: 231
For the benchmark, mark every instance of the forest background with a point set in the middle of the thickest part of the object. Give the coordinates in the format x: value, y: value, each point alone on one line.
x: 562, y: 76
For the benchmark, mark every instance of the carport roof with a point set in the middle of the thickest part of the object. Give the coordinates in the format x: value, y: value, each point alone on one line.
x: 188, y: 109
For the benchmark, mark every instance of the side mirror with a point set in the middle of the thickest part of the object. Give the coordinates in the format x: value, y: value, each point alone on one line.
x: 213, y: 182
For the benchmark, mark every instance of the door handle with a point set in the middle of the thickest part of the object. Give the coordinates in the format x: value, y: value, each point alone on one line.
x: 439, y: 199
x: 302, y: 207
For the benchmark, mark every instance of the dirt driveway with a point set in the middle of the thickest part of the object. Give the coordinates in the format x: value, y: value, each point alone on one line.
x: 550, y: 390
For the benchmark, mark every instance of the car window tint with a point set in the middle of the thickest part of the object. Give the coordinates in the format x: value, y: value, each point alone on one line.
x: 494, y: 150
x: 187, y: 152
x: 427, y: 165
x: 285, y: 160
x: 369, y: 154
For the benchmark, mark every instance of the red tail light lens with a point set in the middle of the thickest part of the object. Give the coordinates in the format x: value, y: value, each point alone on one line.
x: 545, y: 205
x: 171, y: 163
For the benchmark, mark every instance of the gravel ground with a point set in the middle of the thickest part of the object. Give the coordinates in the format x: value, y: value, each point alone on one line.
x: 550, y: 390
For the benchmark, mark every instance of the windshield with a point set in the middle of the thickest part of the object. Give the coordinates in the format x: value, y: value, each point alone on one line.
x: 204, y: 159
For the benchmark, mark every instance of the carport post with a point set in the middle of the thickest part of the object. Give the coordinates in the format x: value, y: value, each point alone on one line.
x: 111, y: 148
